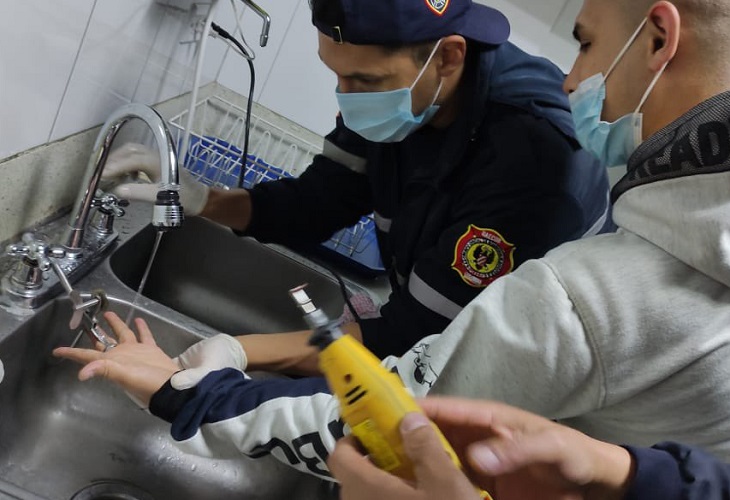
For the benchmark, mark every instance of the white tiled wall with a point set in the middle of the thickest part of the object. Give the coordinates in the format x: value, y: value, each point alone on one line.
x: 66, y: 64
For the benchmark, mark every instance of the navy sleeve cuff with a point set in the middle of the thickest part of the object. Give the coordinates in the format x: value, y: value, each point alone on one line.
x: 167, y: 402
x: 658, y: 476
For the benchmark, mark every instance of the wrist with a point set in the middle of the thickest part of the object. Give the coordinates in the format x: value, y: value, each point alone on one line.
x: 615, y: 471
x: 230, y: 208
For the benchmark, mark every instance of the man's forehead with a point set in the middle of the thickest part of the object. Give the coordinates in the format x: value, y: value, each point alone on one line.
x: 596, y: 14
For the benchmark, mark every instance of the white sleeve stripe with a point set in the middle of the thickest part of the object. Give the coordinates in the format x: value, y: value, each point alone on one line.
x: 382, y: 223
x: 432, y: 299
x: 299, y: 431
x: 335, y: 153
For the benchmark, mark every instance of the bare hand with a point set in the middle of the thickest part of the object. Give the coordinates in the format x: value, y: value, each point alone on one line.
x: 436, y: 475
x: 516, y: 455
x: 512, y: 454
x: 138, y: 366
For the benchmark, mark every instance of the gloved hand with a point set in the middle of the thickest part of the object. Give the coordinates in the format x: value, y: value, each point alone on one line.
x: 214, y: 353
x: 132, y: 158
x: 2, y: 371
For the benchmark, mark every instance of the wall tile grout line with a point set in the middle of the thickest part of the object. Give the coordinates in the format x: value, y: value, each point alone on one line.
x: 71, y: 73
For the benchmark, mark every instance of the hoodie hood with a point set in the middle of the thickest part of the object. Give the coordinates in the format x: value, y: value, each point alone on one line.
x: 676, y: 193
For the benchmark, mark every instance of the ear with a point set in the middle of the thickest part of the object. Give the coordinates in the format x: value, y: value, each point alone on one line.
x: 664, y: 27
x: 453, y: 54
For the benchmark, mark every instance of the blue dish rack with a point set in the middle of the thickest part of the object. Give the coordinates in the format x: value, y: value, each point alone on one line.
x: 275, y: 152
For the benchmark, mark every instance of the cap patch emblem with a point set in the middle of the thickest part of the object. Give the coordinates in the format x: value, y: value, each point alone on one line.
x: 438, y: 6
x: 481, y: 256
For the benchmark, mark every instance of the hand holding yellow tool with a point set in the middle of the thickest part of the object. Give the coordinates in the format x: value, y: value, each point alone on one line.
x: 373, y: 401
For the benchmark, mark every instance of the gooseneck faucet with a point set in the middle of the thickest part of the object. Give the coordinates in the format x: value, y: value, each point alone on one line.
x: 167, y: 214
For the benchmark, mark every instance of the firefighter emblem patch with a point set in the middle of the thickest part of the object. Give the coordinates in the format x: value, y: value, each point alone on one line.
x: 438, y: 6
x: 481, y: 256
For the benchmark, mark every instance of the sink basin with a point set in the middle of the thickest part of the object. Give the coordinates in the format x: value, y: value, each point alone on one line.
x: 59, y: 436
x: 236, y: 285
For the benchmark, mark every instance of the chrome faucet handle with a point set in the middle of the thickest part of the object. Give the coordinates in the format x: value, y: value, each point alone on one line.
x: 33, y: 252
x: 32, y: 247
x: 108, y: 206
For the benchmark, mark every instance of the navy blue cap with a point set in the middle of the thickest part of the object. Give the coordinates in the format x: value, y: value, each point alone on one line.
x: 398, y: 22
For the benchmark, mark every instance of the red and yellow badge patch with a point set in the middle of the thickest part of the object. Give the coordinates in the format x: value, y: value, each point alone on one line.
x: 481, y: 256
x: 438, y: 6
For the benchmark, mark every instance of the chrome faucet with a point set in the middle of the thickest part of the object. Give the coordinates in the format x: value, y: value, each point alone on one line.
x: 28, y: 284
x: 167, y: 214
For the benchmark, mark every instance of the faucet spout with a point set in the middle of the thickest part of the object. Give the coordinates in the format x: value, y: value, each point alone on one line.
x: 168, y: 212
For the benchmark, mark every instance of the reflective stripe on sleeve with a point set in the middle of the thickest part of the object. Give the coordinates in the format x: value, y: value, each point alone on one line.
x: 382, y: 223
x: 335, y: 153
x: 431, y: 298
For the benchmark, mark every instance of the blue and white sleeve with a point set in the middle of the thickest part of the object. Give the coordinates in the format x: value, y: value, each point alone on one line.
x: 227, y: 414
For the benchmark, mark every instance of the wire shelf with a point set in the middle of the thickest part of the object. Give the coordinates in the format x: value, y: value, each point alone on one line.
x: 275, y: 151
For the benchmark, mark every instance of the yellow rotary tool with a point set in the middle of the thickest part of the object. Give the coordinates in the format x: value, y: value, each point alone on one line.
x: 373, y: 401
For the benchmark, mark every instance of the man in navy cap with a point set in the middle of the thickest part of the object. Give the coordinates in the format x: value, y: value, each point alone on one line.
x: 460, y: 143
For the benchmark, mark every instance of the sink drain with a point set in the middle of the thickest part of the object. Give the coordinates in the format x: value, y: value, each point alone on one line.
x: 111, y: 490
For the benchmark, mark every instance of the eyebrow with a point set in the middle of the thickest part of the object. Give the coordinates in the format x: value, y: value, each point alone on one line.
x: 357, y: 75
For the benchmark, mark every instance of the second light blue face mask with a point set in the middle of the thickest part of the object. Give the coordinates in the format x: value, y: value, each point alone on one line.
x: 613, y: 143
x: 386, y: 116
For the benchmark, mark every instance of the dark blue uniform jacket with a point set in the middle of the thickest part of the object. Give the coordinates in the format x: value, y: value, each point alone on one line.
x: 455, y: 208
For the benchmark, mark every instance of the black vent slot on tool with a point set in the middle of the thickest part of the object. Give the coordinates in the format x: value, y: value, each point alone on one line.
x: 355, y: 395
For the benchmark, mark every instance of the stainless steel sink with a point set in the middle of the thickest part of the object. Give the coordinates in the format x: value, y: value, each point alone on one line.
x: 233, y: 284
x: 59, y: 436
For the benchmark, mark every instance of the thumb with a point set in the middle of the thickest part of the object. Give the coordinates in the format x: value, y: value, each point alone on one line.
x: 432, y: 464
x: 185, y: 379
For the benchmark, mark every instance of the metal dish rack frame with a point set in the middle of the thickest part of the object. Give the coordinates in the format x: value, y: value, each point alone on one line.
x: 214, y: 158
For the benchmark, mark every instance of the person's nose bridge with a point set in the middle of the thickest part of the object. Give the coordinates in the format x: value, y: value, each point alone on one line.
x: 343, y: 85
x: 570, y: 84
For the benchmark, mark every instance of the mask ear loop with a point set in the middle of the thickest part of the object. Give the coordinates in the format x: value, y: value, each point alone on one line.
x: 653, y: 83
x: 428, y: 61
x: 626, y: 48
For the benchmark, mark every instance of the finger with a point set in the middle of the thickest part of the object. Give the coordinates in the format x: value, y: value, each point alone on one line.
x: 98, y: 368
x: 131, y: 158
x: 503, y: 455
x: 459, y: 412
x: 120, y: 329
x: 432, y: 464
x: 139, y: 192
x: 82, y: 356
x: 145, y: 334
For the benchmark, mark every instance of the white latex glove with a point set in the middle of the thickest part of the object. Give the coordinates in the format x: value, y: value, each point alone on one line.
x: 214, y: 353
x: 132, y: 158
x: 2, y: 371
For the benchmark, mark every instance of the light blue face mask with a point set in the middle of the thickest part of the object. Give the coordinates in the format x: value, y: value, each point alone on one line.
x: 613, y: 143
x: 386, y: 116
